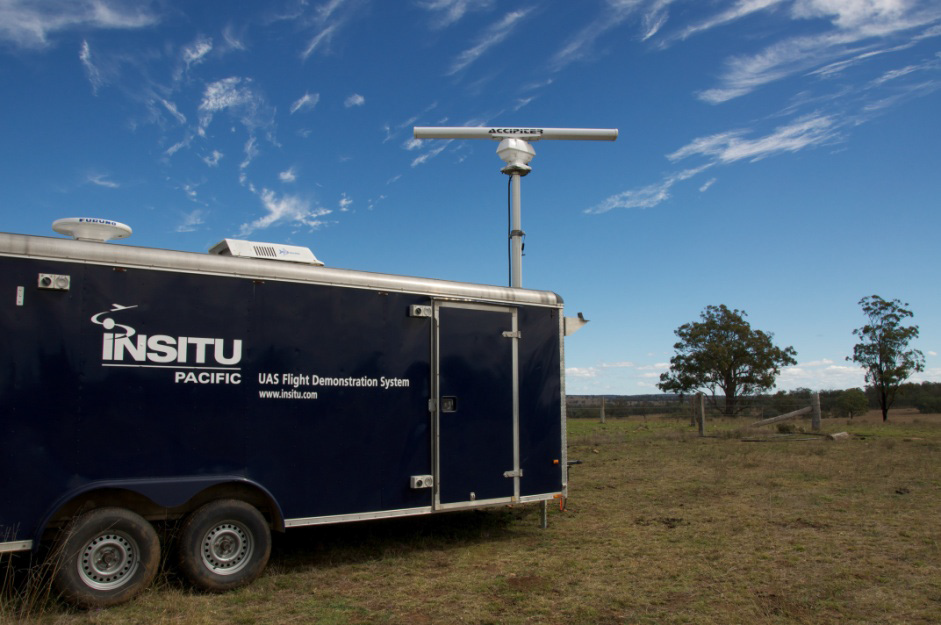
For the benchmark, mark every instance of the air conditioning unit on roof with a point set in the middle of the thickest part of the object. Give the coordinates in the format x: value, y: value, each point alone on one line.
x: 266, y: 251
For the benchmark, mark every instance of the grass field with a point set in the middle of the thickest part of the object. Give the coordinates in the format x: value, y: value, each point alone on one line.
x: 661, y: 527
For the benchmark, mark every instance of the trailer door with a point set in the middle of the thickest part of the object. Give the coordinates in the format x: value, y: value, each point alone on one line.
x: 477, y: 405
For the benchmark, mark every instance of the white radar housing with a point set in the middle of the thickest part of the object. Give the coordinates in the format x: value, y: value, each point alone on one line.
x: 92, y: 229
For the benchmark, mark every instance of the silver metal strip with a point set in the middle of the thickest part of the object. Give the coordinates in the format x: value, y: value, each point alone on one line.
x: 480, y: 503
x: 208, y: 264
x: 436, y: 399
x: 516, y: 404
x: 362, y: 516
x: 535, y: 498
x: 18, y: 545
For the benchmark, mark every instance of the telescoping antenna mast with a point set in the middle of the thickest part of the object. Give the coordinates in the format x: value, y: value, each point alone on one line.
x: 515, y: 150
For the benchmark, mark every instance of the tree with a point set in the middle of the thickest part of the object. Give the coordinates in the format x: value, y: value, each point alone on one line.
x: 882, y: 350
x: 723, y: 352
x: 851, y: 403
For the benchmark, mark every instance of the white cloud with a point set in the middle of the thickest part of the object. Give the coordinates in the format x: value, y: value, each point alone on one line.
x: 102, y: 181
x: 196, y: 52
x: 451, y: 11
x: 321, y: 38
x: 237, y: 97
x: 931, y: 353
x: 618, y: 365
x: 345, y: 203
x: 430, y: 154
x: 740, y: 9
x: 306, y: 102
x: 494, y: 35
x: 705, y: 186
x: 172, y: 109
x: 731, y: 146
x: 233, y: 39
x: 289, y: 175
x: 286, y: 209
x: 191, y: 221
x: 93, y: 73
x: 645, y: 197
x: 354, y: 100
x: 412, y: 144
x: 820, y: 375
x: 581, y: 372
x: 251, y: 151
x: 213, y: 159
x: 581, y: 45
x: 857, y: 28
x: 30, y: 23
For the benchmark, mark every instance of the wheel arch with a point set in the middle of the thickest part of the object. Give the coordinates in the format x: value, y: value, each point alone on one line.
x: 158, y: 499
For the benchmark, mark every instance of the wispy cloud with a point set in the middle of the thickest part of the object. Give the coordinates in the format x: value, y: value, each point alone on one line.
x: 491, y: 37
x: 354, y: 100
x: 238, y: 97
x: 30, y: 23
x: 723, y: 149
x: 306, y: 102
x: 196, y: 52
x: 582, y: 44
x: 322, y: 38
x: 430, y: 154
x: 101, y: 180
x: 288, y: 175
x: 645, y: 197
x: 91, y: 70
x: 732, y: 146
x: 173, y: 110
x: 859, y: 31
x: 448, y: 12
x: 213, y: 159
x: 740, y: 9
x: 192, y: 220
x: 285, y: 210
x: 328, y: 19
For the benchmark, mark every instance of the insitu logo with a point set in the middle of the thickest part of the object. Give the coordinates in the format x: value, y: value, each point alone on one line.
x: 123, y: 346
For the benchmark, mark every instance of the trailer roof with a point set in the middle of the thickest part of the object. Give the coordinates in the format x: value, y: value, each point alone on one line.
x: 190, y: 262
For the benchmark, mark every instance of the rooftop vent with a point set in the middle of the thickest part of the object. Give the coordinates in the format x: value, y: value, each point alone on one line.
x: 268, y: 251
x: 91, y: 229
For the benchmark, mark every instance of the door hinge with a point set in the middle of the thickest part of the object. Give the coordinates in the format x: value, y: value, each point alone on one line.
x: 432, y: 405
x: 510, y: 334
x: 516, y: 473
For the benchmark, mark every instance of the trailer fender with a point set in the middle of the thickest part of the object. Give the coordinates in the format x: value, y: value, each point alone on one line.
x: 169, y: 494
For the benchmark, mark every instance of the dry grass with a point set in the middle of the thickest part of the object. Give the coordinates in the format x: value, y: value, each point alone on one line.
x: 661, y: 527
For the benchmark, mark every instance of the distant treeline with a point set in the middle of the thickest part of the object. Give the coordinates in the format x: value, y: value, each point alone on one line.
x: 926, y: 397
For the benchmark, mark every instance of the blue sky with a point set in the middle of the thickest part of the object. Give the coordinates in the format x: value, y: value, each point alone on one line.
x: 780, y: 157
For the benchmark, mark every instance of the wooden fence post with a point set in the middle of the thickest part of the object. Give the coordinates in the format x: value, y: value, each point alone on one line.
x: 602, y: 408
x: 702, y: 414
x: 815, y: 418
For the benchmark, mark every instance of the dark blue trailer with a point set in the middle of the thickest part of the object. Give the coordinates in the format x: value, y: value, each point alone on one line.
x: 247, y: 395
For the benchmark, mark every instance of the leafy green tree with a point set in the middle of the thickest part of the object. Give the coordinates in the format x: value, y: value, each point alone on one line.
x: 723, y: 352
x: 851, y: 403
x: 882, y: 350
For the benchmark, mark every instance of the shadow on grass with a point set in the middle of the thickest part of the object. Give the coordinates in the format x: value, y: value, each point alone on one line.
x: 365, y: 541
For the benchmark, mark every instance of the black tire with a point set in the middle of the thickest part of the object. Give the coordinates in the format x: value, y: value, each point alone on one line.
x: 105, y: 557
x: 223, y: 545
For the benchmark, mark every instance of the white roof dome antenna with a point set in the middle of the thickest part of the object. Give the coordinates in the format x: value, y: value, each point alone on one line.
x: 515, y: 150
x: 92, y: 229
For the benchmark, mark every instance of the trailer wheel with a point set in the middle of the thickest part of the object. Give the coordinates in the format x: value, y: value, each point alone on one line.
x: 105, y: 557
x: 223, y: 545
